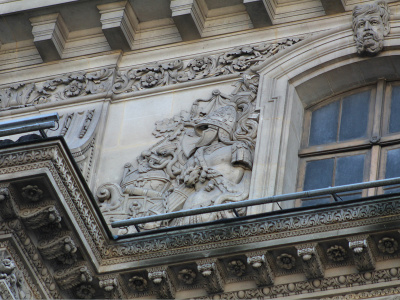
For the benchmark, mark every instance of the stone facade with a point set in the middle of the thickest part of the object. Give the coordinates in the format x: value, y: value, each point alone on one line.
x: 174, y: 105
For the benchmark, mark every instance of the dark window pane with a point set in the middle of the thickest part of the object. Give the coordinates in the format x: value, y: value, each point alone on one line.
x: 393, y: 163
x: 394, y: 125
x: 392, y: 170
x: 349, y: 169
x: 318, y: 174
x: 324, y: 122
x: 354, y: 121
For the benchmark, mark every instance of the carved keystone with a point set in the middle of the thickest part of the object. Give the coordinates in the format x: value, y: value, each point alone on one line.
x: 210, y: 269
x: 258, y: 13
x: 363, y: 257
x: 161, y: 278
x: 263, y: 273
x: 50, y: 35
x: 310, y: 255
x: 119, y: 24
x: 184, y: 15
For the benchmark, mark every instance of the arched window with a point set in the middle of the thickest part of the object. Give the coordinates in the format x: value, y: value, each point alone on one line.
x: 350, y: 138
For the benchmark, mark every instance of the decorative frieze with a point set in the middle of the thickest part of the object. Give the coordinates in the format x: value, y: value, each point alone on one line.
x: 236, y: 61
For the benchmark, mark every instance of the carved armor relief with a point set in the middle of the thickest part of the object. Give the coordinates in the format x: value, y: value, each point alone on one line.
x: 203, y: 157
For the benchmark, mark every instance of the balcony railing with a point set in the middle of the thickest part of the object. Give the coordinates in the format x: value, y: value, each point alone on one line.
x: 246, y: 203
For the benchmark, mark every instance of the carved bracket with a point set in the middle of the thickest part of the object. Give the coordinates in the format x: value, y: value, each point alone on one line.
x: 162, y: 280
x: 310, y: 255
x: 363, y: 257
x: 41, y: 217
x: 71, y: 277
x: 210, y: 269
x: 57, y: 247
x: 263, y: 273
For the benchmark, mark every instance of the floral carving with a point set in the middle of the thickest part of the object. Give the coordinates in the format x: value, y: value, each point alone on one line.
x: 138, y: 283
x: 74, y: 89
x: 32, y: 193
x: 187, y: 276
x: 85, y: 291
x: 237, y: 268
x: 286, y: 261
x: 336, y: 253
x: 388, y: 245
x: 160, y: 74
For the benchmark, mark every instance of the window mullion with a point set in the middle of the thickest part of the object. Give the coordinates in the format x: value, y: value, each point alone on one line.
x: 377, y: 122
x: 374, y: 167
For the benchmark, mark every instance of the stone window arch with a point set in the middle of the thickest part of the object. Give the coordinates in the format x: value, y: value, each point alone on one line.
x: 349, y: 138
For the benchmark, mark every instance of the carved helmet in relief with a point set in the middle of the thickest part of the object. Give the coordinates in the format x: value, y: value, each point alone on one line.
x: 223, y: 118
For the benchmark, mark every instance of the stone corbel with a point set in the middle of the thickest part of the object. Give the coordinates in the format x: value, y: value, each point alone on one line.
x: 119, y: 24
x: 257, y: 12
x: 7, y: 210
x: 59, y: 246
x: 162, y: 280
x: 310, y: 255
x: 210, y: 269
x: 50, y: 35
x: 184, y: 16
x: 71, y: 277
x: 362, y: 252
x: 47, y: 216
x: 263, y: 273
x: 110, y: 287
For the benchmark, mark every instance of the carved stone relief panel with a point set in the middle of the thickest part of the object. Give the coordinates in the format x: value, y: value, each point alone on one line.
x: 203, y: 157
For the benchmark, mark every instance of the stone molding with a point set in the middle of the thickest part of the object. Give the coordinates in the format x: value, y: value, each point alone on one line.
x: 92, y: 84
x: 320, y: 285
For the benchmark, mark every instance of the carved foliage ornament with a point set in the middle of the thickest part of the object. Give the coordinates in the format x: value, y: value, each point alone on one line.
x: 58, y: 89
x: 370, y: 26
x: 160, y: 74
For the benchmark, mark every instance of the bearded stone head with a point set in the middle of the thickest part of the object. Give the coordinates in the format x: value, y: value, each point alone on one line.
x: 370, y: 26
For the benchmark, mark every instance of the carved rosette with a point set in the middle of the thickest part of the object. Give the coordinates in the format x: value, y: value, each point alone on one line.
x: 187, y: 276
x: 138, y: 283
x: 236, y: 268
x: 388, y: 245
x: 32, y: 193
x: 286, y: 261
x: 336, y: 253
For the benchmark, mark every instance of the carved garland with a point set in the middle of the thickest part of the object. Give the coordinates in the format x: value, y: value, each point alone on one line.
x: 156, y: 74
